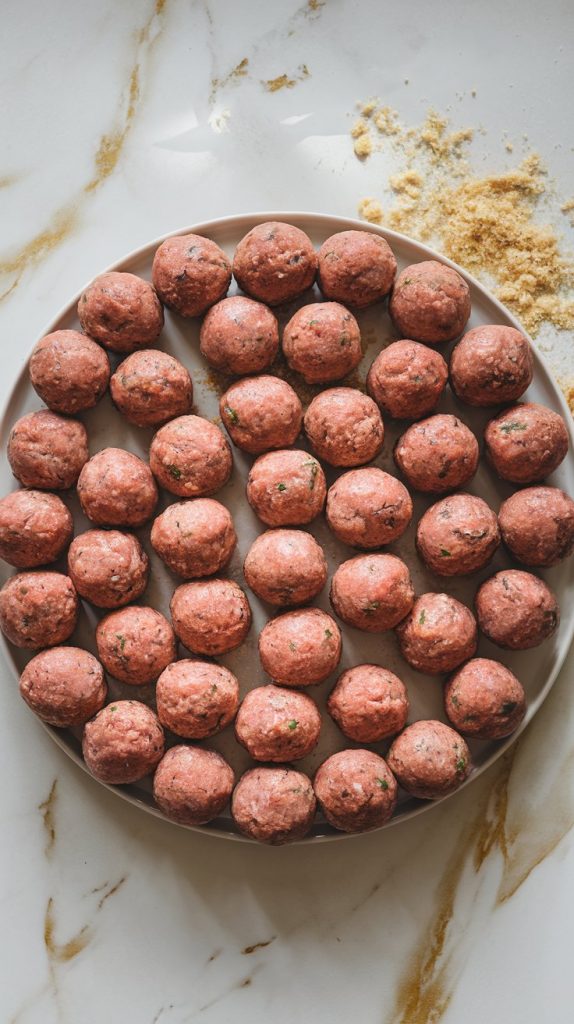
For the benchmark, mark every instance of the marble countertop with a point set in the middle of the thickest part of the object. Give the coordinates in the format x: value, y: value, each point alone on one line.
x: 123, y: 122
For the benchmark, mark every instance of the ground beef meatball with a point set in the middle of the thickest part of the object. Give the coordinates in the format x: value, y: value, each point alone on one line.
x: 516, y: 610
x: 64, y: 686
x: 430, y: 302
x: 407, y: 379
x: 273, y: 805
x: 429, y: 760
x: 322, y: 342
x: 438, y: 634
x: 190, y: 274
x: 35, y: 528
x: 121, y: 311
x: 490, y: 365
x: 123, y: 743
x: 285, y: 567
x: 458, y: 535
x: 372, y: 592
x: 239, y: 336
x: 108, y: 568
x: 286, y: 488
x: 192, y: 786
x: 190, y: 457
x: 69, y: 371
x: 355, y: 790
x: 196, y: 699
x: 356, y: 268
x: 210, y: 617
x: 437, y: 455
x: 526, y: 443
x: 135, y: 644
x: 367, y: 508
x: 275, y: 262
x: 484, y: 700
x: 300, y: 648
x: 260, y: 413
x: 537, y: 525
x: 47, y: 451
x: 369, y: 704
x: 344, y: 427
x: 116, y: 488
x: 151, y: 387
x: 194, y: 538
x: 276, y: 724
x: 38, y: 609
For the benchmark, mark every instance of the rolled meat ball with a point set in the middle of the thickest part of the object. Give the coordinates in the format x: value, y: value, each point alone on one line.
x: 123, y: 743
x: 322, y: 342
x: 285, y: 567
x: 516, y: 610
x: 35, y: 528
x: 64, y: 686
x: 286, y: 488
x: 273, y: 805
x: 135, y: 644
x: 485, y: 700
x: 438, y: 634
x: 407, y: 379
x: 275, y: 262
x: 490, y: 365
x: 194, y: 538
x: 437, y: 454
x: 151, y: 387
x: 300, y: 648
x: 239, y: 336
x: 344, y: 427
x: 372, y: 592
x: 367, y: 508
x: 190, y: 457
x: 275, y: 724
x: 429, y: 760
x: 192, y: 786
x: 210, y: 617
x: 38, y: 609
x: 526, y: 443
x: 356, y: 268
x: 355, y: 790
x: 196, y: 699
x: 116, y: 488
x: 121, y: 311
x: 537, y: 525
x: 261, y: 413
x: 190, y: 273
x: 47, y: 451
x: 430, y: 302
x: 458, y: 535
x: 369, y: 704
x: 108, y: 568
x: 69, y: 371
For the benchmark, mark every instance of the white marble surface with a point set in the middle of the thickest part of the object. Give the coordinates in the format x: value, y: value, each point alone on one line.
x: 113, y: 133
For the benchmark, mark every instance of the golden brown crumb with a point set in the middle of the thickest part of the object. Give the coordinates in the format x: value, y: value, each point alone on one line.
x: 367, y: 109
x: 371, y: 210
x: 363, y: 146
x: 509, y: 147
x: 386, y: 121
x: 359, y: 128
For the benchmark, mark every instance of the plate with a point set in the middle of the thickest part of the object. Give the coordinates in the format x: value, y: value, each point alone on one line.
x: 537, y: 669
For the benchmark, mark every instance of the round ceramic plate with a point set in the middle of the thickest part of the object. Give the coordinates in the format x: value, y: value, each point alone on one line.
x: 537, y: 669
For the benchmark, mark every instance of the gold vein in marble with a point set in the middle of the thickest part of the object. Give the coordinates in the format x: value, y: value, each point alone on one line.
x: 62, y: 953
x: 284, y: 81
x: 48, y: 810
x: 240, y: 70
x: 257, y: 945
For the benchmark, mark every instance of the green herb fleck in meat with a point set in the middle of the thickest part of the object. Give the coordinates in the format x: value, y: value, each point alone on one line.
x: 454, y: 700
x: 383, y: 784
x: 371, y: 607
x: 507, y: 428
x: 174, y: 472
x: 122, y: 641
x: 232, y: 415
x: 328, y: 634
x: 281, y: 487
x: 445, y: 553
x: 293, y: 723
x: 292, y: 646
x: 461, y: 764
x: 314, y: 467
x: 422, y: 617
x: 312, y: 323
x: 113, y: 707
x: 508, y: 707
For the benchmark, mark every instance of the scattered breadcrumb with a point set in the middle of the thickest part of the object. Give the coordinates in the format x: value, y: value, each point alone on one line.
x: 367, y: 109
x: 363, y: 146
x: 371, y: 210
x: 359, y: 128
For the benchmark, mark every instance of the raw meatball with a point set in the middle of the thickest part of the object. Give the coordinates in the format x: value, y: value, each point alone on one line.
x: 322, y: 342
x: 490, y: 365
x: 526, y: 443
x: 35, y: 528
x: 123, y: 743
x: 372, y: 592
x: 210, y: 617
x: 260, y: 413
x: 537, y: 525
x: 367, y: 508
x: 191, y: 785
x: 437, y: 455
x: 430, y: 302
x: 69, y: 371
x: 300, y: 648
x: 369, y: 704
x: 190, y: 273
x: 47, y: 451
x: 196, y: 699
x: 516, y: 610
x: 64, y: 686
x: 485, y: 700
x: 135, y: 644
x: 429, y: 759
x: 458, y: 535
x: 438, y: 634
x: 117, y: 489
x: 285, y: 567
x: 344, y: 427
x: 150, y: 387
x: 38, y: 609
x: 275, y: 262
x: 356, y: 790
x: 194, y: 538
x: 273, y: 805
x: 190, y: 457
x: 108, y: 568
x: 286, y: 488
x: 121, y: 311
x: 406, y: 380
x: 275, y: 724
x: 239, y: 336
x: 356, y: 267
